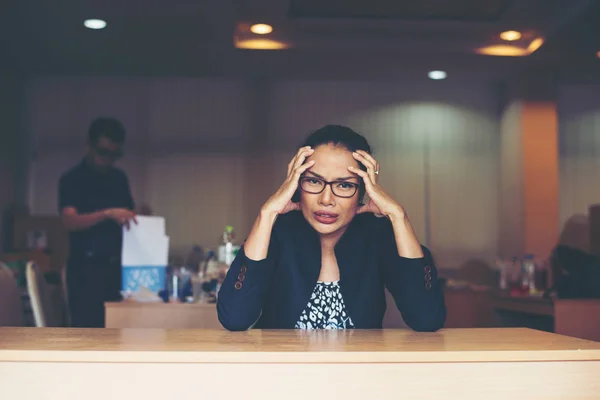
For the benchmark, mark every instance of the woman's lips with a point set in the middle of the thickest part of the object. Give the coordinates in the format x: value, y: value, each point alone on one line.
x: 325, y: 217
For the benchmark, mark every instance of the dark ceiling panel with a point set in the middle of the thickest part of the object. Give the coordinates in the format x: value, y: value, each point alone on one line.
x: 475, y: 10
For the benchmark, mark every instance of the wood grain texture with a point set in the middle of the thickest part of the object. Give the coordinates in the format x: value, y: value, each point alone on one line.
x: 129, y: 314
x: 290, y: 346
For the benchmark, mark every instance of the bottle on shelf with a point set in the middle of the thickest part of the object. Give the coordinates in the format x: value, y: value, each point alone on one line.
x: 528, y: 274
x: 227, y: 248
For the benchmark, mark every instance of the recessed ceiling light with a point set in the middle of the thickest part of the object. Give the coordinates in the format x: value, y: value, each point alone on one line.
x: 437, y: 75
x: 510, y: 36
x: 261, y: 29
x: 94, y: 23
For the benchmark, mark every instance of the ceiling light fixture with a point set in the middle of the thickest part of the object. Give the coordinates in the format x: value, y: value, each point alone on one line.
x: 510, y: 36
x: 261, y: 29
x: 598, y: 54
x: 260, y: 44
x: 94, y: 23
x: 535, y: 44
x: 509, y: 50
x: 502, y: 50
x: 437, y: 75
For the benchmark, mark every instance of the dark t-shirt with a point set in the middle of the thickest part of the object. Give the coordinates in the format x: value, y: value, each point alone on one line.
x: 89, y: 190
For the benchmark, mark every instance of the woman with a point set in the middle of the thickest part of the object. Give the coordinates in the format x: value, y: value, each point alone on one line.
x: 317, y: 257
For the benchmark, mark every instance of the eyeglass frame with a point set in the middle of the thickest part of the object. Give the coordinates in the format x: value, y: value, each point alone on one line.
x: 356, y: 186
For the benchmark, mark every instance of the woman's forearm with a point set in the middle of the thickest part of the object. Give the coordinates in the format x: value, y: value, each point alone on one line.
x: 406, y: 240
x: 256, y: 246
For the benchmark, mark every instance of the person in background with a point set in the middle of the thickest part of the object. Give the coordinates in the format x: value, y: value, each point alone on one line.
x: 320, y: 254
x: 95, y: 202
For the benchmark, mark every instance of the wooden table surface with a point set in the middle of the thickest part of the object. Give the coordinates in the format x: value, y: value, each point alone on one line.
x: 290, y: 346
x: 100, y: 364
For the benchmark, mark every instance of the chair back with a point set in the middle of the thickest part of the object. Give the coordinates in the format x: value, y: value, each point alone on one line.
x: 36, y: 285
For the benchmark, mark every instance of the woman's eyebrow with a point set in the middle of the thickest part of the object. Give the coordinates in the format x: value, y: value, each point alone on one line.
x: 315, y: 174
x: 347, y: 178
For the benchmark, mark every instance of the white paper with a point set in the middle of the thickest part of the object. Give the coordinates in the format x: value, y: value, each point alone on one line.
x: 145, y: 244
x: 150, y: 224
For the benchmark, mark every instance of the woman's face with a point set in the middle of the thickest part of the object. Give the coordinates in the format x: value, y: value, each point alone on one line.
x: 327, y: 213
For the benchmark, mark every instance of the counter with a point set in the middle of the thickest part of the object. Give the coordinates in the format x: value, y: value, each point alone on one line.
x: 103, y: 364
x: 130, y: 314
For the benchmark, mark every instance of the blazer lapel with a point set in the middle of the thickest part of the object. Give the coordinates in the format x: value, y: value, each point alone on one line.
x: 352, y: 262
x: 308, y: 253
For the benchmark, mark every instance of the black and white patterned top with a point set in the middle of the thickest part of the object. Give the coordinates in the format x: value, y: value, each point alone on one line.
x: 325, y: 309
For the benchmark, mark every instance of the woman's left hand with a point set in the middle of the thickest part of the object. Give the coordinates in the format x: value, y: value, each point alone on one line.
x: 379, y: 201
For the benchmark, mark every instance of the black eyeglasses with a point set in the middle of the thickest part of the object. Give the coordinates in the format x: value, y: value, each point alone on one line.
x: 113, y: 154
x: 313, y: 185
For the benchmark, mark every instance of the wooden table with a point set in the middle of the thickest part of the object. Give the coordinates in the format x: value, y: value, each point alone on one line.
x: 51, y: 363
x: 130, y: 314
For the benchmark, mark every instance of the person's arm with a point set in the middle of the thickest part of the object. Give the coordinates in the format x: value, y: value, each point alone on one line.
x: 74, y: 221
x: 69, y: 198
x: 246, y: 285
x: 411, y: 276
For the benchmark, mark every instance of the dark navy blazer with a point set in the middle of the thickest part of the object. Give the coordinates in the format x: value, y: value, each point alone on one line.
x: 272, y: 293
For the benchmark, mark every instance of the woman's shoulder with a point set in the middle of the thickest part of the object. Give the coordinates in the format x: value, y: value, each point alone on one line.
x: 373, y: 223
x: 290, y: 221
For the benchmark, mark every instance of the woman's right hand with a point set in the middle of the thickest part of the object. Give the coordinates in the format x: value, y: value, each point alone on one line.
x: 281, y: 201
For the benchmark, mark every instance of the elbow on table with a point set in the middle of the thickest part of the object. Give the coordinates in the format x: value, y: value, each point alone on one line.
x: 235, y: 322
x: 233, y: 326
x: 428, y: 322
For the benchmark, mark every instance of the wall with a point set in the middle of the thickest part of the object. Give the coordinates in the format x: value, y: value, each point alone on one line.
x: 579, y: 146
x: 511, y: 238
x: 436, y: 145
x: 206, y: 153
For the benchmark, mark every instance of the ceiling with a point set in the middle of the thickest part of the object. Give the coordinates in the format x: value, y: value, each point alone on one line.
x: 357, y: 39
x: 476, y: 10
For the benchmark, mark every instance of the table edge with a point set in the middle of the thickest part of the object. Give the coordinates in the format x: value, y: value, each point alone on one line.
x: 245, y: 357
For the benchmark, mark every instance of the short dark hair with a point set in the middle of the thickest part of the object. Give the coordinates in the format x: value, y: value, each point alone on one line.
x: 108, y: 127
x: 339, y: 135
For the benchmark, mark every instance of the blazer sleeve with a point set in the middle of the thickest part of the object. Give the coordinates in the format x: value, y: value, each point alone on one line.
x: 414, y: 285
x: 245, y: 288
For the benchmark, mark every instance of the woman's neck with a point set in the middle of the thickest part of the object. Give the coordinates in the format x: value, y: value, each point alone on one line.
x: 329, y: 241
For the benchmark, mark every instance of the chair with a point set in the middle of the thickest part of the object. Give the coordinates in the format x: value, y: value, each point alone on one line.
x: 36, y: 285
x: 11, y: 309
x: 47, y: 301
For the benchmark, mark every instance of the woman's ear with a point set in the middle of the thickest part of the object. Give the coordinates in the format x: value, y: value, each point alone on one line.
x: 364, y: 200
